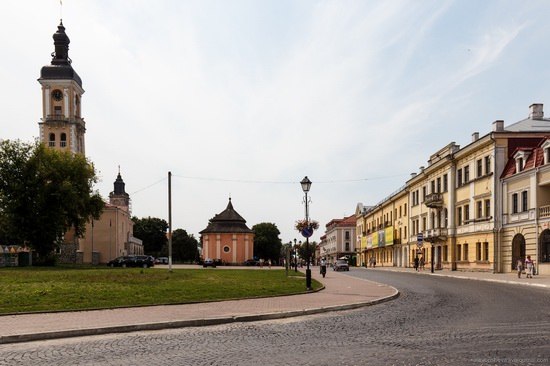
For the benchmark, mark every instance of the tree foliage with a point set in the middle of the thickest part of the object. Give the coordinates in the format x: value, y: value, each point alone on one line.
x: 305, y: 250
x: 44, y: 193
x: 152, y: 231
x: 184, y: 247
x: 267, y: 244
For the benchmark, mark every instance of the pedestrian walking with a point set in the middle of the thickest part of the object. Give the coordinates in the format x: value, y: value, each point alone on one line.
x: 529, y: 267
x: 519, y: 265
x: 269, y: 263
x: 422, y: 263
x: 323, y: 267
x: 416, y: 262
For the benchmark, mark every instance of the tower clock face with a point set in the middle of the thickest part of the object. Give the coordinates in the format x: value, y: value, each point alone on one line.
x: 57, y: 95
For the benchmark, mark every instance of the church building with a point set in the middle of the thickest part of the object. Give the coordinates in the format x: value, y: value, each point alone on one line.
x: 63, y: 128
x: 227, y: 238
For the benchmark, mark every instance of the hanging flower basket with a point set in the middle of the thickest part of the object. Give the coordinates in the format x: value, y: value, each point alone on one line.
x: 302, y: 224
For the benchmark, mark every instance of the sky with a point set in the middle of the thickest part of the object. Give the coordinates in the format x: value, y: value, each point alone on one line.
x: 241, y: 99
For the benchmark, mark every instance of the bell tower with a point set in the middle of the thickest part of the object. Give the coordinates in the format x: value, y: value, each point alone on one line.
x: 62, y: 126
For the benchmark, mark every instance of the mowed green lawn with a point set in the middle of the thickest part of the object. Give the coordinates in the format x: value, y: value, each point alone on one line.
x: 61, y: 289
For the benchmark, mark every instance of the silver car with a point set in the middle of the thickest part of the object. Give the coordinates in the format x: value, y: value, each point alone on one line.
x: 341, y: 265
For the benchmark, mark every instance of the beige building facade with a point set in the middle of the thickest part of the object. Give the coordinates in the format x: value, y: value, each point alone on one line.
x: 339, y: 240
x: 461, y: 214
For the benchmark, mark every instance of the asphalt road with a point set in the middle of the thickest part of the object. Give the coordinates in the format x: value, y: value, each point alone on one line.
x: 435, y: 321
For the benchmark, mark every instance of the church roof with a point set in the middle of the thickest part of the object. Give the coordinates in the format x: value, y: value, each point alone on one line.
x: 227, y: 221
x: 60, y: 67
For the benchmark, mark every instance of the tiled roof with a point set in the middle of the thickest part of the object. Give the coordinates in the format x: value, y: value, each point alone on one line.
x: 227, y: 221
x: 535, y: 159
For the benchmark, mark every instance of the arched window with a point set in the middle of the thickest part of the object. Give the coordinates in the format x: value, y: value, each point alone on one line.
x: 63, y: 142
x: 51, y: 140
x: 544, y: 241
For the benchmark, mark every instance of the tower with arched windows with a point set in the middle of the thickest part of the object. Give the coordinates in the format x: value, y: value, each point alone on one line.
x: 62, y: 126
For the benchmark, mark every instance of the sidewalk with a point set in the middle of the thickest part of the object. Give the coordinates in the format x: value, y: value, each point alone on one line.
x: 341, y: 292
x: 511, y: 278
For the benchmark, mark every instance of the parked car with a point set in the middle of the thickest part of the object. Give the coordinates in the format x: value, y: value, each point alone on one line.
x: 144, y: 261
x: 209, y: 262
x: 341, y: 265
x: 251, y: 262
x: 117, y: 262
x: 161, y: 260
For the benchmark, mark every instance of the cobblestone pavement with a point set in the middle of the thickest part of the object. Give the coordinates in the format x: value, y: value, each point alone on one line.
x: 436, y: 320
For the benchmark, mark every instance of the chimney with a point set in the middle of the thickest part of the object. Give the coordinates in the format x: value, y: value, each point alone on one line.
x: 413, y: 175
x: 475, y: 136
x: 535, y: 111
x: 422, y: 169
x: 498, y: 125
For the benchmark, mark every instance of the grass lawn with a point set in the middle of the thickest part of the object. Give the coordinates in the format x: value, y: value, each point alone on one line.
x: 31, y: 289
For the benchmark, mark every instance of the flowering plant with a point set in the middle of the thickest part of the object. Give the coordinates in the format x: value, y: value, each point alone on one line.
x: 302, y: 224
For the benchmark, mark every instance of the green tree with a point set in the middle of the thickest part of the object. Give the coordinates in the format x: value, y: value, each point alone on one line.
x: 184, y: 247
x: 152, y: 231
x: 44, y: 193
x: 267, y: 244
x: 304, y: 249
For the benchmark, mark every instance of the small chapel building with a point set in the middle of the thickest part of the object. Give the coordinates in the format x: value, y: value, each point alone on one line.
x: 227, y: 238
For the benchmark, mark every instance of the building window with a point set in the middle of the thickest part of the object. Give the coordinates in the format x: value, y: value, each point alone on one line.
x: 487, y: 209
x: 487, y: 165
x: 479, y: 168
x: 63, y: 142
x: 459, y: 177
x: 439, y: 185
x: 347, y: 235
x: 466, y: 212
x: 405, y: 210
x: 51, y: 142
x: 466, y: 252
x: 459, y: 252
x: 485, y: 251
x: 347, y: 247
x: 424, y: 223
x: 433, y: 186
x: 445, y: 183
x: 479, y: 205
x: 524, y: 202
x: 466, y: 174
x: 515, y: 203
x: 519, y: 164
x: 423, y: 194
x: 459, y: 216
x: 445, y: 253
x: 478, y: 251
x: 226, y: 249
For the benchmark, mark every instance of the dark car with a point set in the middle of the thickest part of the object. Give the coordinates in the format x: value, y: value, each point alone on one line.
x: 341, y: 265
x: 209, y: 262
x: 144, y: 261
x: 117, y: 262
x: 251, y: 262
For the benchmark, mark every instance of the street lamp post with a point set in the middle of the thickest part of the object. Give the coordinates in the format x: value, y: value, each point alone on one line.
x: 306, y: 185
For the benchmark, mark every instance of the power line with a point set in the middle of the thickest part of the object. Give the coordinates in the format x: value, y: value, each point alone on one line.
x: 268, y: 182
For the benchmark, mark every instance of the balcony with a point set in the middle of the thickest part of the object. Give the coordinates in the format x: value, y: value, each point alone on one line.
x: 544, y: 211
x: 434, y: 200
x: 435, y: 235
